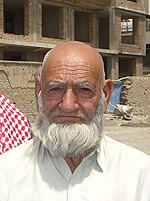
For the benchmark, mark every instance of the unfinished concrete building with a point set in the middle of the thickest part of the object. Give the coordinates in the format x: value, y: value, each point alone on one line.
x: 28, y: 28
x: 146, y: 59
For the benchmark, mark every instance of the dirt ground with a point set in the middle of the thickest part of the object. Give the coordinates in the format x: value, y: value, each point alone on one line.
x: 134, y: 132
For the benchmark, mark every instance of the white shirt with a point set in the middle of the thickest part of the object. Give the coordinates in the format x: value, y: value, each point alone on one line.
x: 116, y: 172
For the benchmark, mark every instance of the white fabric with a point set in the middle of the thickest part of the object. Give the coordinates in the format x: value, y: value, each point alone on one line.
x: 115, y: 172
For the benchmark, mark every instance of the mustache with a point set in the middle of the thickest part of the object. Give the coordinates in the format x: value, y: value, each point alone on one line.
x: 54, y: 114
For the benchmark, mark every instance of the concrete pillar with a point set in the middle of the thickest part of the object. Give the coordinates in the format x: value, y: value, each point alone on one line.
x: 114, y: 29
x: 112, y: 67
x: 66, y: 23
x: 1, y: 54
x: 72, y: 23
x: 1, y: 17
x: 138, y: 66
x: 26, y: 17
x: 38, y: 21
x: 93, y: 33
x: 139, y: 37
x: 33, y: 18
x: 64, y: 19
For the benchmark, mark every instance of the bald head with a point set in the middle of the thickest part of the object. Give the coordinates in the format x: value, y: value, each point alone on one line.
x: 73, y: 53
x: 72, y: 83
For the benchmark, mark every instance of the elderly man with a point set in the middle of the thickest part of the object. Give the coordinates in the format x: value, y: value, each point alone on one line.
x: 69, y: 159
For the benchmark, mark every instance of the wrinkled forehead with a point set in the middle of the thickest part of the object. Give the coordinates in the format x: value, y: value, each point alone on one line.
x: 67, y: 71
x: 72, y: 64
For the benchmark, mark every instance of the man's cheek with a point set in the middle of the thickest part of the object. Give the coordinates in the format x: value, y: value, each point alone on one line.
x: 89, y: 109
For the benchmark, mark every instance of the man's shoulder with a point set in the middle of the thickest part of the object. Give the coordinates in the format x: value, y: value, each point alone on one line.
x: 18, y: 156
x: 16, y: 161
x: 113, y: 150
x: 12, y: 156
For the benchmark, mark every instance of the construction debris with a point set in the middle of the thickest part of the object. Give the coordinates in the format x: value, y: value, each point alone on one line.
x: 124, y: 111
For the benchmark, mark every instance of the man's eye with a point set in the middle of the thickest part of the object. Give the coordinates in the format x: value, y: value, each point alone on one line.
x: 85, y: 89
x: 85, y: 92
x: 56, y: 92
x: 56, y: 89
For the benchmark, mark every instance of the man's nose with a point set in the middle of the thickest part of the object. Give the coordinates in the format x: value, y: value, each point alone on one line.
x: 69, y: 101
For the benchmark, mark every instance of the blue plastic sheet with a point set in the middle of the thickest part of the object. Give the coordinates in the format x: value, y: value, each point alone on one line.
x: 115, y: 97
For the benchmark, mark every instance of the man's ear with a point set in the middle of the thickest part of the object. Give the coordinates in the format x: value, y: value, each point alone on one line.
x: 107, y: 89
x: 37, y: 90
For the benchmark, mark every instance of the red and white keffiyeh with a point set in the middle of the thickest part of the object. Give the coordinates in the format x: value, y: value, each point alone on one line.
x: 14, y: 126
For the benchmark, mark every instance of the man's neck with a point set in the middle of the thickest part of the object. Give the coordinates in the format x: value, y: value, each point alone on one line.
x: 74, y: 162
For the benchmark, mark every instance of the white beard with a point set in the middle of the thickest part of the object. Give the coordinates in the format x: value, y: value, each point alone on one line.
x: 70, y: 140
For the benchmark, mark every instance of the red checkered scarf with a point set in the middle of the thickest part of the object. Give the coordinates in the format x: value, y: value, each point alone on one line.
x: 14, y: 126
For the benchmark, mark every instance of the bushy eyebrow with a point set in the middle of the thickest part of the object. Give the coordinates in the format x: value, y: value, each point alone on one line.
x: 84, y: 84
x: 79, y: 84
x: 55, y: 83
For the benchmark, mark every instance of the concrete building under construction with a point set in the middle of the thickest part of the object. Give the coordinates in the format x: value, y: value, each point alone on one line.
x: 28, y: 28
x: 146, y: 59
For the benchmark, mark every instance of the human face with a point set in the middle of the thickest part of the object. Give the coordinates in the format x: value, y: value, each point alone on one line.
x: 70, y: 92
x: 70, y: 140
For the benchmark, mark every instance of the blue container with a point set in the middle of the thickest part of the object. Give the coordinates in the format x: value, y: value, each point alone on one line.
x: 115, y: 97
